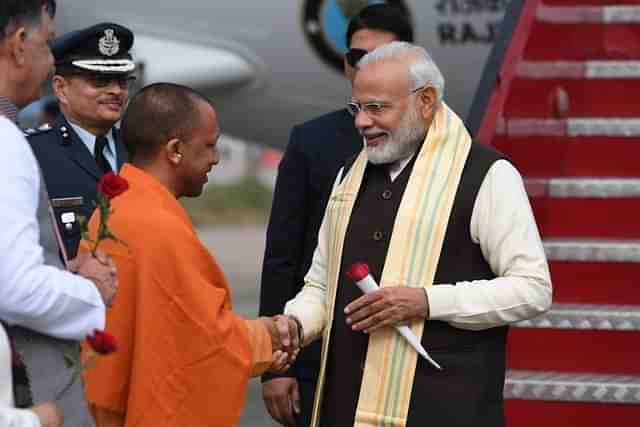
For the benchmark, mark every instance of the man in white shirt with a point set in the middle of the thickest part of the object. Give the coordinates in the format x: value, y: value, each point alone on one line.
x: 45, y: 414
x: 447, y: 230
x: 47, y: 309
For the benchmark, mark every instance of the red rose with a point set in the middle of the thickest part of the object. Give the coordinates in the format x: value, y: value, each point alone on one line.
x: 358, y: 271
x: 112, y: 185
x: 102, y: 342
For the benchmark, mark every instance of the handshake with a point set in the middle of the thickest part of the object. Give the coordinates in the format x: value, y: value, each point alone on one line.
x: 286, y: 339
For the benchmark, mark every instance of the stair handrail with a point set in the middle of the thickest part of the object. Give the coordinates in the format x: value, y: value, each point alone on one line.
x: 499, y: 71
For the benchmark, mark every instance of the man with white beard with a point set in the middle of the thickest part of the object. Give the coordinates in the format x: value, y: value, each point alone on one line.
x: 446, y: 228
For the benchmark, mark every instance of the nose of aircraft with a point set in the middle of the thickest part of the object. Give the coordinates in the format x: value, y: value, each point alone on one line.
x: 191, y: 64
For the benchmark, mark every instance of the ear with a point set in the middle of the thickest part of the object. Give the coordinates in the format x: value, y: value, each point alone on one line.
x: 428, y: 99
x: 172, y: 148
x: 349, y: 71
x: 15, y: 44
x: 60, y: 86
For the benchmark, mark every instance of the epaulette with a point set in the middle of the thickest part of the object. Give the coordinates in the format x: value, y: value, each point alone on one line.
x: 36, y: 131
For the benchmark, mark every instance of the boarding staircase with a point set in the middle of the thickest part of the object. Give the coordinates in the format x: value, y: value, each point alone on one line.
x: 563, y: 103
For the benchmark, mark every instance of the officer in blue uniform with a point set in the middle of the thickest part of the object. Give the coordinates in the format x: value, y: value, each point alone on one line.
x: 91, y: 83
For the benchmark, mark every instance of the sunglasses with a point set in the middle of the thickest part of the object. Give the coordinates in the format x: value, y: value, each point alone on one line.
x: 353, y: 56
x: 101, y: 82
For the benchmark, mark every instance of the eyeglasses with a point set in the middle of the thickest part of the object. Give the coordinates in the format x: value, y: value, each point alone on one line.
x: 374, y: 108
x: 101, y: 82
x: 353, y: 56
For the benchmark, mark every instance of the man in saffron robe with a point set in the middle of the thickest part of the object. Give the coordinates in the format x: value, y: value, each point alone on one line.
x: 184, y: 359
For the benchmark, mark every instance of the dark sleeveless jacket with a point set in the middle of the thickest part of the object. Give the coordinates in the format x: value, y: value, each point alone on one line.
x: 468, y: 392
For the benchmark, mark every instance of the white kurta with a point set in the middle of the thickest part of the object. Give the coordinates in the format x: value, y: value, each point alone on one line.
x: 502, y: 223
x: 10, y: 416
x: 33, y: 295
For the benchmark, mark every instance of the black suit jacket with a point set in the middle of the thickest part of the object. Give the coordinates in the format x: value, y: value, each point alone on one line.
x: 316, y: 151
x: 70, y: 171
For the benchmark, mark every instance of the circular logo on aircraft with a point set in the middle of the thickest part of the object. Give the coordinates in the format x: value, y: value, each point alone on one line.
x: 325, y: 25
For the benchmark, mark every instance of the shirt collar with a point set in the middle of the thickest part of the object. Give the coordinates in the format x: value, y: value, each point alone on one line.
x: 396, y: 168
x: 89, y: 139
x: 8, y: 109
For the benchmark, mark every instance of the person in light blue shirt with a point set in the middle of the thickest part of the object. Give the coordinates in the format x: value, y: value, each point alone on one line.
x: 93, y: 72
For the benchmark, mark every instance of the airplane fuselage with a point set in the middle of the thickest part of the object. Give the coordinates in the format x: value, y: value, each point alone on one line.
x: 268, y: 65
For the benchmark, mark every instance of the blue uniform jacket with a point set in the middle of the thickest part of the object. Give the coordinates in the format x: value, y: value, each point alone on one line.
x: 71, y: 176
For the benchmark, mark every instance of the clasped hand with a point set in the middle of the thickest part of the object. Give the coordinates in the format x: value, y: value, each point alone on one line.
x: 285, y: 341
x: 100, y: 269
x: 387, y: 306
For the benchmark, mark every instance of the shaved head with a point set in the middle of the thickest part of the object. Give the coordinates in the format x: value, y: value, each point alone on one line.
x: 158, y: 113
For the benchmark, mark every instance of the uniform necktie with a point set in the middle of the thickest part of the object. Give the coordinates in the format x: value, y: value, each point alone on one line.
x: 98, y: 154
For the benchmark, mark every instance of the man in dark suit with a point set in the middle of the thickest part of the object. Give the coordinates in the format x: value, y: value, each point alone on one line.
x: 93, y: 72
x: 316, y: 150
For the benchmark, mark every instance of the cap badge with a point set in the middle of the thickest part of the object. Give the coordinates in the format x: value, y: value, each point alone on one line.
x: 109, y: 45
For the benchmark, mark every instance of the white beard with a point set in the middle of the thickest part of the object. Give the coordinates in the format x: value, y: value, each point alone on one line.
x: 401, y: 143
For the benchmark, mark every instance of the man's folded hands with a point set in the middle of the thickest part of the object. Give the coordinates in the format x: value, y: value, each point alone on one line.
x: 285, y: 341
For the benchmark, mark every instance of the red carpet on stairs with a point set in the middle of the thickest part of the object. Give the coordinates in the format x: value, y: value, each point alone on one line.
x: 596, y: 156
x: 596, y: 283
x: 565, y: 110
x: 564, y: 350
x: 582, y: 42
x: 547, y: 413
x: 587, y: 97
x: 610, y: 218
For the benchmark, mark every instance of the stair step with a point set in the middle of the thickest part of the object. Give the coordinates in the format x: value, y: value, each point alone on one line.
x: 576, y: 157
x: 557, y: 386
x: 586, y: 250
x: 589, y: 317
x: 537, y: 413
x: 594, y: 188
x: 588, y: 40
x: 580, y: 98
x: 588, y: 218
x: 595, y: 282
x: 585, y: 12
x: 573, y: 127
x: 591, y: 70
x: 602, y: 208
x: 603, y: 352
